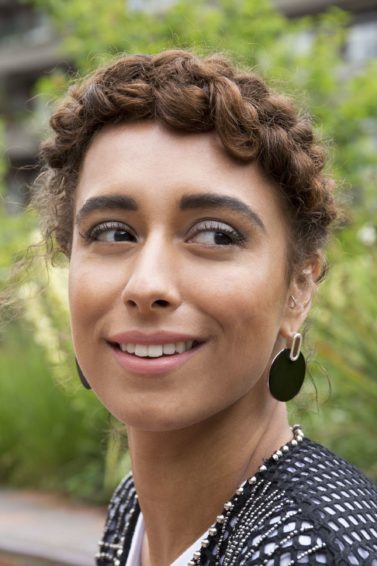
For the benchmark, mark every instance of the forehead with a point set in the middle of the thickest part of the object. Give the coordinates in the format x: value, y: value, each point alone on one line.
x: 139, y: 148
x: 153, y: 163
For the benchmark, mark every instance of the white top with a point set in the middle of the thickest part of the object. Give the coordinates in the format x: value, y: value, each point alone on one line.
x: 134, y: 557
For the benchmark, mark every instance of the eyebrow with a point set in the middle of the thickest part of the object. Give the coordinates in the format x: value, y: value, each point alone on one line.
x: 211, y: 200
x: 195, y: 200
x: 112, y: 202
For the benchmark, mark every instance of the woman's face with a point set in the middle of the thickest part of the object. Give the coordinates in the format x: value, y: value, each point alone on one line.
x: 179, y: 257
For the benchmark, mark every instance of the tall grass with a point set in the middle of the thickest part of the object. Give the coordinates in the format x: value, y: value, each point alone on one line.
x: 343, y: 335
x: 52, y: 437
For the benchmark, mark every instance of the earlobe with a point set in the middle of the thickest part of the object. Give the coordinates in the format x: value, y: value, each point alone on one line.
x: 299, y: 297
x: 303, y: 286
x: 297, y: 308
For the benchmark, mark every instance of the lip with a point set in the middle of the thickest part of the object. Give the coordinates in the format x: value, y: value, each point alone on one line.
x: 152, y: 366
x: 160, y: 337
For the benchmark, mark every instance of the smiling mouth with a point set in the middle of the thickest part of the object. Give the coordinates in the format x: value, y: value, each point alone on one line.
x: 148, y: 351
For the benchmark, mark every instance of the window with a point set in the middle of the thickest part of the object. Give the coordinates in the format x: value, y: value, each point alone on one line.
x: 362, y: 41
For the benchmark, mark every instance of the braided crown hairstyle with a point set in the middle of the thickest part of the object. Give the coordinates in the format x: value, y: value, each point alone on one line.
x: 191, y: 94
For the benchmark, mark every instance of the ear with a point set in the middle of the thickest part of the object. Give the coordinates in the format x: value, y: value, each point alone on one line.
x: 300, y: 293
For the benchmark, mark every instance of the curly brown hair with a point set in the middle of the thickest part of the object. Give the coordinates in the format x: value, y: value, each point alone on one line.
x: 191, y: 94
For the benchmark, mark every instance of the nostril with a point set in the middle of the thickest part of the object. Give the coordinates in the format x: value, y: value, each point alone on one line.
x: 161, y: 303
x: 147, y: 303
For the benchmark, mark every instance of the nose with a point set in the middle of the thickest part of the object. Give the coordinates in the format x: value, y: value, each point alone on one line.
x: 151, y: 285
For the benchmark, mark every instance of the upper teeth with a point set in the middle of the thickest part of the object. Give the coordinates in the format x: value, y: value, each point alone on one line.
x: 156, y: 350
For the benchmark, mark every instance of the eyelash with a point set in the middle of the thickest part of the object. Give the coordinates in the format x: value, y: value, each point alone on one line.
x: 236, y: 238
x: 93, y: 233
x: 220, y: 227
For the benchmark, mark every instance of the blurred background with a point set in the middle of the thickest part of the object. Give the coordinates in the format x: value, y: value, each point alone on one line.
x: 54, y: 436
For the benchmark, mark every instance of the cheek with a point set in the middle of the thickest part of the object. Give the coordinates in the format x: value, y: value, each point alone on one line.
x: 242, y: 295
x: 245, y: 303
x: 91, y: 294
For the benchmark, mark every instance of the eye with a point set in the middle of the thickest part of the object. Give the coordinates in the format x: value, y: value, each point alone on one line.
x: 111, y: 232
x: 215, y: 233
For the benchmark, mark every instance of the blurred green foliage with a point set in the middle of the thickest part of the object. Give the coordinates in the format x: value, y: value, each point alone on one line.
x: 70, y: 442
x: 52, y: 437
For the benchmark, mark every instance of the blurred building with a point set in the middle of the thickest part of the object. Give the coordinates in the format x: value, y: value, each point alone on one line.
x: 362, y: 37
x: 29, y: 49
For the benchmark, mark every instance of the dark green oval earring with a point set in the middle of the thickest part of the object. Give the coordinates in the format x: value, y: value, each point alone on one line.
x: 287, y: 372
x: 82, y: 376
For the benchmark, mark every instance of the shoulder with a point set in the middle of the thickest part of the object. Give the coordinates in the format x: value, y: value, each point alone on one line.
x: 331, y: 488
x: 121, y: 519
x: 318, y: 509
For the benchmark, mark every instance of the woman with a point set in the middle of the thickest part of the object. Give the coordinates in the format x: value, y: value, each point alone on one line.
x: 192, y: 205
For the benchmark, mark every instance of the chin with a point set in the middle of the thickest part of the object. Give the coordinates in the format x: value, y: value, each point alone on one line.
x: 154, y: 422
x: 159, y: 418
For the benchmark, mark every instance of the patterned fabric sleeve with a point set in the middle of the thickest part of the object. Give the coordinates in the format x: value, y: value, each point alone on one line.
x: 121, y: 518
x: 298, y: 544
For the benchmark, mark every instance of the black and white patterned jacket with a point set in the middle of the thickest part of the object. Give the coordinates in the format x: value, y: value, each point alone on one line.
x: 308, y: 506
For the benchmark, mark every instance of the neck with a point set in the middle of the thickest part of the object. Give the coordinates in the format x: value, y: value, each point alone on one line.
x: 174, y: 471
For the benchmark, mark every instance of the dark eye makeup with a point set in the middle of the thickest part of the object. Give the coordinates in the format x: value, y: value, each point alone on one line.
x: 110, y: 231
x: 214, y: 232
x: 207, y: 232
